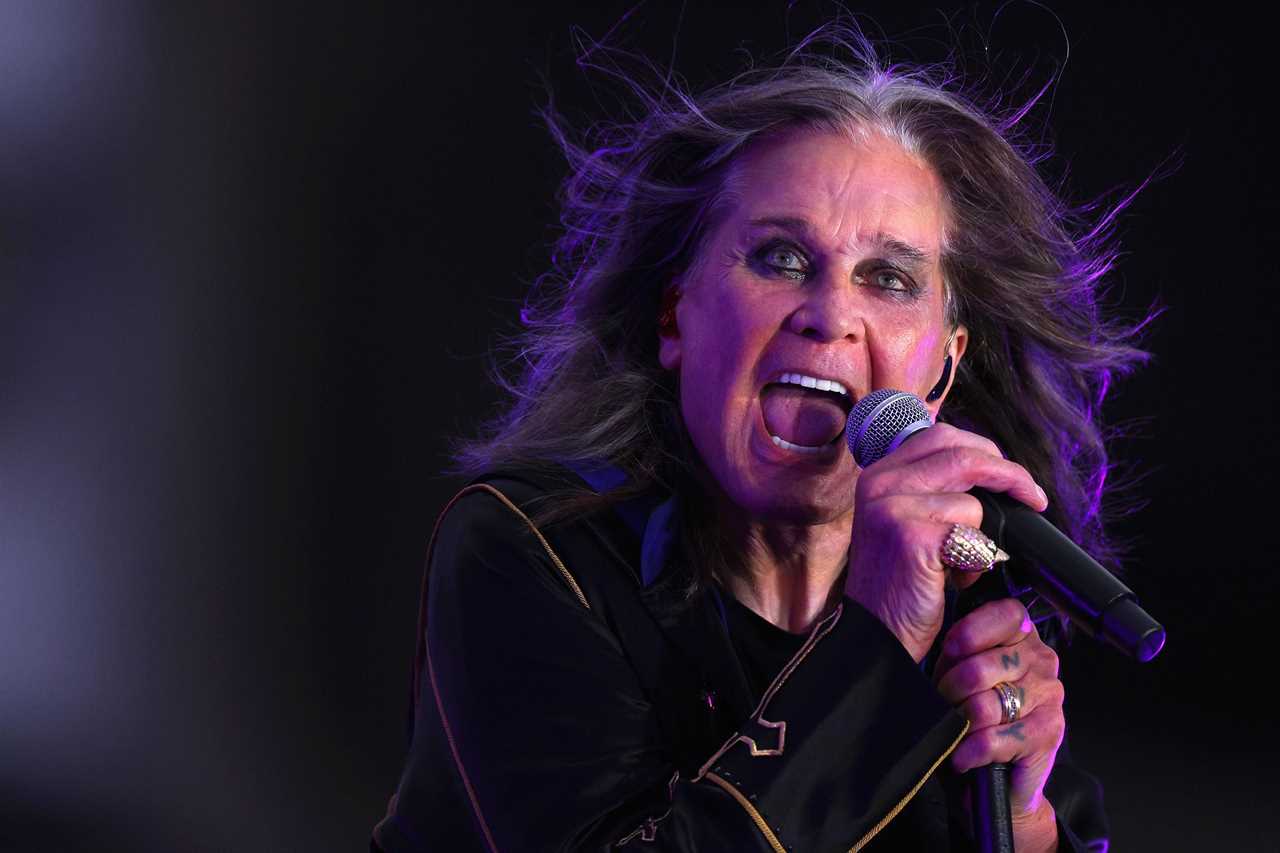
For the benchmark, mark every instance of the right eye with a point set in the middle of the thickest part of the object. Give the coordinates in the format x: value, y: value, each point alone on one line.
x: 784, y: 259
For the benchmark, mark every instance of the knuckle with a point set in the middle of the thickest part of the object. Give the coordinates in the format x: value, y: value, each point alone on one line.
x: 1049, y: 725
x: 989, y: 446
x: 972, y: 508
x: 962, y: 508
x: 1012, y: 611
x: 881, y: 516
x: 1059, y: 731
x: 1015, y: 475
x: 961, y: 640
x: 938, y: 515
x: 969, y: 676
x: 981, y: 614
x: 943, y: 432
x: 961, y: 458
x: 868, y: 484
x: 987, y: 740
x: 960, y: 759
x: 955, y: 684
x: 1051, y: 722
x: 975, y: 711
x: 894, y: 506
x: 1017, y: 469
x: 1051, y: 661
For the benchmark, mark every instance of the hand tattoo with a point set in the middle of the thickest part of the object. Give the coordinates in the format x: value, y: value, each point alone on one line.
x: 1009, y: 662
x: 1014, y: 731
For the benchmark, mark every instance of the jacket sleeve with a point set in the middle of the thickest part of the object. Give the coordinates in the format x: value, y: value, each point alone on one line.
x: 556, y: 746
x: 1077, y: 799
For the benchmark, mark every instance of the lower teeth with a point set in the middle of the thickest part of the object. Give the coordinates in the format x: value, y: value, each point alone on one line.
x: 799, y: 448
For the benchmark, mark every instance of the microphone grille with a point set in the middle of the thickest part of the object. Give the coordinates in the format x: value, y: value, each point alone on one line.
x: 880, y: 421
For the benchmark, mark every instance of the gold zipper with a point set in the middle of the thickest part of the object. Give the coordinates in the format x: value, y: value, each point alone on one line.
x: 884, y: 821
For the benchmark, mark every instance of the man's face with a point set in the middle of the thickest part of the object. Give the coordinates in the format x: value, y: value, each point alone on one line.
x: 824, y: 267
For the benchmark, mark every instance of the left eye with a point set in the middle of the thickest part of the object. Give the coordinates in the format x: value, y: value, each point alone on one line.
x: 889, y: 280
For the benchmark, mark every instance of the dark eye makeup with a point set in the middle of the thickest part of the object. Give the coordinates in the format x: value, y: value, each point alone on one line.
x: 782, y: 258
x: 880, y: 274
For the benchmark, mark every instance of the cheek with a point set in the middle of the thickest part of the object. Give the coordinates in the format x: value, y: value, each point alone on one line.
x: 710, y: 384
x: 727, y: 335
x: 699, y: 409
x: 909, y: 358
x: 921, y: 364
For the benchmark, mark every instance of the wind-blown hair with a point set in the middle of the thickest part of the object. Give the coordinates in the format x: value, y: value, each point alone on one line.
x: 1022, y: 270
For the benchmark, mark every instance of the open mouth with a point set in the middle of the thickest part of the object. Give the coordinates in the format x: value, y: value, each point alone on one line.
x: 805, y: 414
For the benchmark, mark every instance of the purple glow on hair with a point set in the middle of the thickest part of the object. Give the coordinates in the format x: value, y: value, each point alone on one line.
x: 641, y: 191
x: 1018, y: 115
x: 1104, y: 385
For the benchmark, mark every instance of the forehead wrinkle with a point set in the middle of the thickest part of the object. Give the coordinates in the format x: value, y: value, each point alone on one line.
x: 866, y: 215
x: 890, y: 245
x: 748, y: 171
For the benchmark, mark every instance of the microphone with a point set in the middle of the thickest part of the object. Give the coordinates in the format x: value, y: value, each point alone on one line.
x: 1047, y: 561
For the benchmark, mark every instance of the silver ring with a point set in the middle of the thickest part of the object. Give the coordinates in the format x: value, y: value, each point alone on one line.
x: 1010, y: 703
x: 970, y: 550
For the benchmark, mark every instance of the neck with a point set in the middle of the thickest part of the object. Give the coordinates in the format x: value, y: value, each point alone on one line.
x: 790, y: 573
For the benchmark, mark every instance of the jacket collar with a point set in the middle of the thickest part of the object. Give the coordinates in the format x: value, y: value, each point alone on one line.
x: 698, y: 629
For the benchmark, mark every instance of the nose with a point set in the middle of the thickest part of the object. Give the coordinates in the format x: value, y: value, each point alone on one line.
x: 831, y: 311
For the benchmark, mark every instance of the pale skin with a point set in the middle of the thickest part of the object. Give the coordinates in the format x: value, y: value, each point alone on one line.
x: 826, y: 262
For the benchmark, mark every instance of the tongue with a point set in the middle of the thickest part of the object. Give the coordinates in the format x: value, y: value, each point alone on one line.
x: 801, y: 416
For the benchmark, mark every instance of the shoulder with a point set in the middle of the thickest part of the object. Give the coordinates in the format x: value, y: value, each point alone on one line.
x: 512, y: 504
x: 505, y: 523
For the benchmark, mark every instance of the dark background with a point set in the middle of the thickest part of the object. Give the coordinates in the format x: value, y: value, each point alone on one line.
x: 252, y: 261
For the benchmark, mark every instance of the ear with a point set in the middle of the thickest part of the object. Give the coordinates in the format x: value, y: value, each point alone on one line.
x: 959, y: 341
x: 956, y: 345
x: 669, y: 347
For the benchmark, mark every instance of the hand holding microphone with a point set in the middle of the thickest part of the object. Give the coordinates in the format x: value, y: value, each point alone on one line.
x: 1050, y: 563
x: 993, y: 665
x: 905, y: 507
x: 904, y: 510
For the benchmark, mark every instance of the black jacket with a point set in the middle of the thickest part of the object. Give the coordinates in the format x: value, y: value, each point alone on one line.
x: 561, y: 704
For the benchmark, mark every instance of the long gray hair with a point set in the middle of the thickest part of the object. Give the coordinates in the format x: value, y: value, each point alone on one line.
x: 1023, y: 271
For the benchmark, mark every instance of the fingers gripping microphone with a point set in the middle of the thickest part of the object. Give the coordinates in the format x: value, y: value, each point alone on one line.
x: 1048, y: 562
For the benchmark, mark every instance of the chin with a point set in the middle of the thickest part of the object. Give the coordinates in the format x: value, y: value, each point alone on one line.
x: 805, y: 499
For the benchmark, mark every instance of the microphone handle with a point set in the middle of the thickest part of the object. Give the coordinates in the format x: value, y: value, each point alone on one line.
x: 992, y: 817
x: 992, y: 822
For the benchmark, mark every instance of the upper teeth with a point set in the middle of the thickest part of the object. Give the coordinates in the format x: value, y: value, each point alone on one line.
x: 813, y: 382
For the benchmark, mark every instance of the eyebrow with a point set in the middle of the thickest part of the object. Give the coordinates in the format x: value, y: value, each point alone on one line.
x: 899, y: 251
